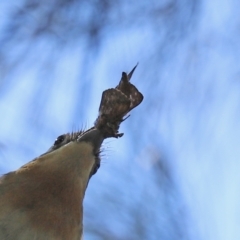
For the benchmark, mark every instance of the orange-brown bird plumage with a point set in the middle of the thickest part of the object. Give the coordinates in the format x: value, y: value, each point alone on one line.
x: 42, y: 200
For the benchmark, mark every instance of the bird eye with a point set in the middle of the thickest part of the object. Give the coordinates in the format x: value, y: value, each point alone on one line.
x: 59, y: 140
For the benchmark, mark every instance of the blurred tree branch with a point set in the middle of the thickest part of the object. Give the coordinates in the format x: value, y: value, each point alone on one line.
x: 55, y: 27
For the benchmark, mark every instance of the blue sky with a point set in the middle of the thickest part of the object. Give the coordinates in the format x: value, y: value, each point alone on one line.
x: 189, y: 74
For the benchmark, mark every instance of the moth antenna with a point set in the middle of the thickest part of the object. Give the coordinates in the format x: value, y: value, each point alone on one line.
x: 131, y: 73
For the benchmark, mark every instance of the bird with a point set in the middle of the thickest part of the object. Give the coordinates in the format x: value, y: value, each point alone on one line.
x: 43, y: 199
